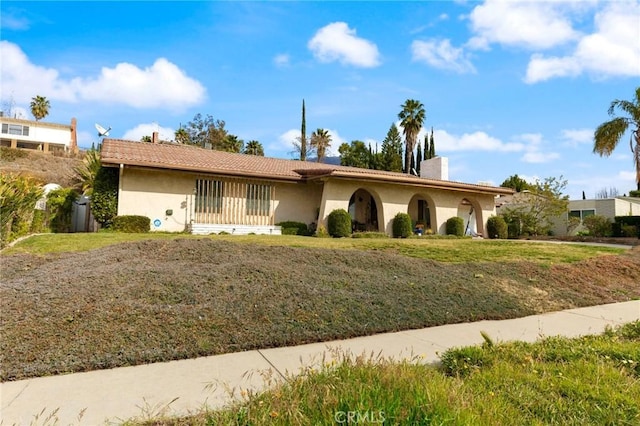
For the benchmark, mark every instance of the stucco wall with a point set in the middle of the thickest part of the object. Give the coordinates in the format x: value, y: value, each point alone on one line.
x: 152, y: 193
x: 393, y: 199
x: 607, y: 207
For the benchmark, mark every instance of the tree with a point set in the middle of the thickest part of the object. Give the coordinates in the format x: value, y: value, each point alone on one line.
x: 145, y: 138
x: 516, y: 183
x: 419, y: 157
x: 104, y: 200
x: 392, y: 150
x: 303, y: 136
x: 182, y: 136
x: 254, y: 147
x: 320, y: 141
x: 532, y: 212
x: 230, y: 143
x: 612, y: 192
x: 355, y: 154
x: 432, y: 146
x: 608, y: 134
x: 88, y: 170
x: 411, y: 118
x: 207, y: 132
x: 40, y: 107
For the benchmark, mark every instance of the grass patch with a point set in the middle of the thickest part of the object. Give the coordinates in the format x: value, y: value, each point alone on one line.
x: 458, y: 250
x: 517, y: 383
x: 174, y: 298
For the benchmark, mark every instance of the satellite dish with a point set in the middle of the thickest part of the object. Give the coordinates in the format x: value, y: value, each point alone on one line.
x: 102, y: 131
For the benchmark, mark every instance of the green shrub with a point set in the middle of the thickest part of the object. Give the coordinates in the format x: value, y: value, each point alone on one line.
x: 131, y: 224
x: 598, y: 225
x: 60, y: 207
x: 339, y: 223
x: 38, y: 224
x: 634, y: 194
x: 455, y: 226
x: 321, y: 232
x: 11, y: 154
x: 629, y: 231
x: 104, y: 198
x: 299, y: 228
x: 497, y: 227
x: 19, y: 195
x: 402, y: 226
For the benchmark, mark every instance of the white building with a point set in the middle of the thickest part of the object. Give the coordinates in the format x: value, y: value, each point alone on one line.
x: 47, y: 137
x: 607, y: 207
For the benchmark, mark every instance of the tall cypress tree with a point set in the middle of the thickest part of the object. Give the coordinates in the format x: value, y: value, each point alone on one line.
x: 303, y: 136
x: 419, y: 156
x: 432, y: 146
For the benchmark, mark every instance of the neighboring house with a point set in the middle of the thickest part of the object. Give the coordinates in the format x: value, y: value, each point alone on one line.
x: 607, y: 207
x: 203, y: 191
x: 39, y: 135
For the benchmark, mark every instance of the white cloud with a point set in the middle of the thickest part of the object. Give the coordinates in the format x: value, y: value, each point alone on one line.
x: 575, y: 137
x: 538, y: 157
x: 477, y: 141
x: 337, y: 42
x: 282, y: 60
x: 285, y: 141
x: 534, y: 25
x: 146, y: 129
x: 161, y: 86
x: 612, y: 50
x: 441, y: 54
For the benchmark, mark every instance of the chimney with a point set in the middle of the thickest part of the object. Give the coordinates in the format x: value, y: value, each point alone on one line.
x: 435, y: 168
x: 154, y: 137
x: 74, y: 136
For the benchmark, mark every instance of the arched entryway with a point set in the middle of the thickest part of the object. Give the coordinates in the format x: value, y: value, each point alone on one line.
x: 364, y: 211
x: 471, y: 213
x: 422, y: 211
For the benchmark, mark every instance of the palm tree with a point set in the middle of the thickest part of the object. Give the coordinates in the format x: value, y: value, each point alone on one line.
x: 40, y: 107
x: 411, y: 118
x: 320, y: 141
x: 182, y: 136
x: 88, y: 171
x: 608, y: 134
x: 254, y: 148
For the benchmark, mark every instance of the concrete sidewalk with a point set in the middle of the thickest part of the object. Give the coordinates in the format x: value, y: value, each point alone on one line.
x: 178, y: 387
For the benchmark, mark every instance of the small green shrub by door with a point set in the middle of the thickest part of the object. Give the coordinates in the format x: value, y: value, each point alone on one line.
x: 402, y: 226
x: 497, y: 227
x: 455, y: 226
x: 131, y: 224
x: 339, y: 223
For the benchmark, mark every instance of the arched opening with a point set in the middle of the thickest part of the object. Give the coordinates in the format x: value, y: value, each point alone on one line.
x: 364, y: 211
x: 471, y: 214
x: 422, y: 212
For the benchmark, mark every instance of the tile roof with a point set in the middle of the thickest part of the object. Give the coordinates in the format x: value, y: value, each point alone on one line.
x: 189, y: 158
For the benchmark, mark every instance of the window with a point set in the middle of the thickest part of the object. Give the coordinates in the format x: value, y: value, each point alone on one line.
x: 258, y: 199
x: 209, y: 195
x: 581, y: 214
x: 15, y: 129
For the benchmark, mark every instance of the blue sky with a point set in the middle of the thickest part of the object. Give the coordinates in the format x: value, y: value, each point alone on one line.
x: 508, y: 87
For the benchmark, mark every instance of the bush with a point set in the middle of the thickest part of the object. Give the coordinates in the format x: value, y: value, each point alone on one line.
x: 131, y: 224
x: 339, y: 223
x: 402, y: 226
x: 104, y: 198
x: 634, y: 194
x: 321, y: 232
x: 19, y: 195
x: 455, y: 226
x: 60, y: 208
x: 598, y: 225
x: 627, y: 226
x: 11, y: 154
x: 497, y: 227
x: 291, y: 227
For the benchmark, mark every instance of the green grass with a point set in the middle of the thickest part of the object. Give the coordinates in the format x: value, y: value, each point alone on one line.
x: 593, y: 380
x: 439, y: 249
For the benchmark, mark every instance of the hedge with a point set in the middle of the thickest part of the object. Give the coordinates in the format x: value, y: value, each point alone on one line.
x: 455, y: 226
x: 131, y: 224
x: 402, y: 226
x: 497, y: 227
x: 290, y: 227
